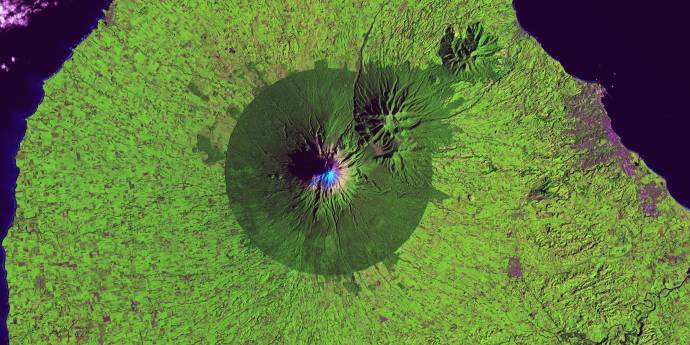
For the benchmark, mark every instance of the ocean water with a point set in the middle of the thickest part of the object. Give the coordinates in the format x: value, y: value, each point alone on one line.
x: 636, y: 51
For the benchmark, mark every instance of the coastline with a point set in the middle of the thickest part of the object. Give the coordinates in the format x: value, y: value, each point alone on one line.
x: 23, y: 86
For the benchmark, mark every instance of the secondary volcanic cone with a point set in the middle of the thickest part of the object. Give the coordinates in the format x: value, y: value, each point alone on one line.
x: 305, y: 188
x: 397, y: 113
x: 469, y: 55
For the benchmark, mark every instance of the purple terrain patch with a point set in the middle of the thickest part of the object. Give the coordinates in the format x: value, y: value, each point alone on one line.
x: 650, y: 194
x: 600, y: 144
x: 514, y: 267
x: 594, y: 124
x: 621, y: 151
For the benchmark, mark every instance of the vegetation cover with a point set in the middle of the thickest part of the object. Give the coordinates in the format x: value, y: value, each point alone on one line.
x: 524, y: 220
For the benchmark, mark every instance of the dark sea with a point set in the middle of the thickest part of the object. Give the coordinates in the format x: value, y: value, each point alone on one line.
x: 637, y: 50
